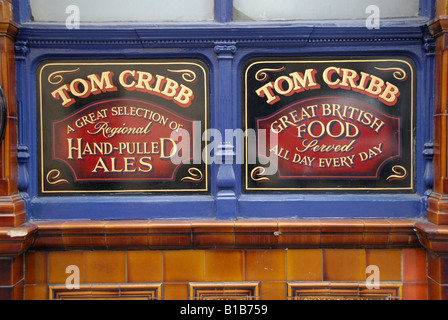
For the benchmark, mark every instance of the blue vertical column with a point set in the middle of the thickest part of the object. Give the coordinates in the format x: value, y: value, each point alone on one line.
x: 429, y: 47
x: 226, y: 200
x: 24, y: 134
x: 425, y: 119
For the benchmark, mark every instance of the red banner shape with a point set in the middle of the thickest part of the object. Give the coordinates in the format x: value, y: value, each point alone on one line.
x: 330, y: 137
x: 120, y: 139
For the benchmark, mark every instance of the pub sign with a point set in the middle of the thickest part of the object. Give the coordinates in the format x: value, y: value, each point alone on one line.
x: 337, y: 124
x: 128, y: 126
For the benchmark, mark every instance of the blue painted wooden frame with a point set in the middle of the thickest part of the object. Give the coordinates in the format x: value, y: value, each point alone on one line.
x: 224, y: 46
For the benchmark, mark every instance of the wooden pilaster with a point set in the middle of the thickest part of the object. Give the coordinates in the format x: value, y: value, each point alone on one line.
x: 12, y: 208
x: 15, y: 234
x: 433, y: 234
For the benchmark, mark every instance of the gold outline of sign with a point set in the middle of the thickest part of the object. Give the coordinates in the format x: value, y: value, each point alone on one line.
x: 134, y: 63
x: 411, y: 187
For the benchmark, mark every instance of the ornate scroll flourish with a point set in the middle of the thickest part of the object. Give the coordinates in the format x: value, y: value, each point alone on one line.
x: 257, y: 174
x: 187, y: 75
x: 56, y: 77
x: 196, y: 175
x: 262, y: 75
x: 400, y: 173
x: 53, y: 175
x: 399, y: 73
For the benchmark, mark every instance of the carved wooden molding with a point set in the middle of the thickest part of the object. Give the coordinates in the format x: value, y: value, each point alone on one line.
x: 433, y: 237
x: 12, y: 206
x: 437, y: 209
x: 438, y: 200
x: 14, y: 241
x: 8, y: 29
x: 12, y: 211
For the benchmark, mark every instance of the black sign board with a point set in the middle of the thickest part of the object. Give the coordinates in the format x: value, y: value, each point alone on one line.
x: 128, y: 126
x: 337, y: 124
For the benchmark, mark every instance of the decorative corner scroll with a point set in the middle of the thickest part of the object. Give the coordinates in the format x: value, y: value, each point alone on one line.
x: 196, y: 176
x: 3, y: 115
x: 56, y: 78
x: 262, y: 75
x: 400, y: 173
x: 258, y: 174
x: 187, y: 75
x: 52, y: 177
x: 398, y: 73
